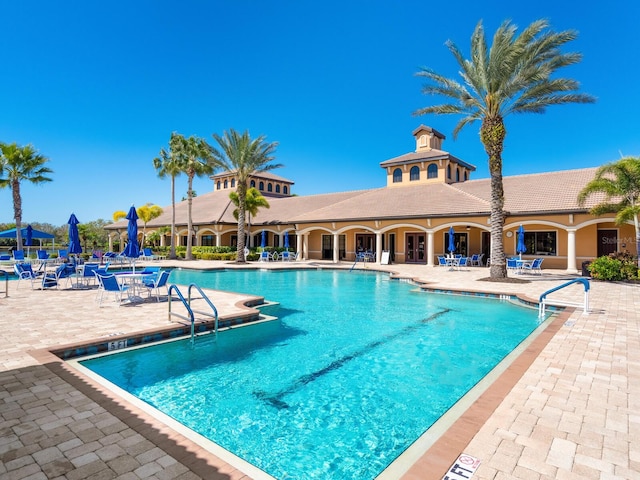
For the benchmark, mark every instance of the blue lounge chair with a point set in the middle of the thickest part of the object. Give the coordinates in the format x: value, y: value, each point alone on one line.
x: 157, y: 283
x: 54, y: 279
x: 18, y: 255
x: 534, y: 267
x: 24, y: 271
x: 109, y: 283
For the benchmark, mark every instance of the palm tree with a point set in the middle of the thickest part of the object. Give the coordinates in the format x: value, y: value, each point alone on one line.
x: 18, y: 164
x: 168, y: 164
x: 620, y: 183
x: 195, y: 158
x: 252, y: 203
x: 146, y: 213
x: 512, y: 76
x: 246, y: 157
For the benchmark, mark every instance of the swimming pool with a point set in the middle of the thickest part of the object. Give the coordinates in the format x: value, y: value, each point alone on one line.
x: 356, y: 368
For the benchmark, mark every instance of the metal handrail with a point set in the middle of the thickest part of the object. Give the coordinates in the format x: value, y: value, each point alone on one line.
x: 6, y: 283
x: 585, y: 306
x: 206, y: 299
x: 187, y: 304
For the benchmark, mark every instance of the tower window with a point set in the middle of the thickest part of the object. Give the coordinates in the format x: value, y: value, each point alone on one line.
x: 269, y: 187
x: 277, y: 188
x: 397, y: 176
x: 414, y: 174
x: 432, y: 171
x: 261, y: 187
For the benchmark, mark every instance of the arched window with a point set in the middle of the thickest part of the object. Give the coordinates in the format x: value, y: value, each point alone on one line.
x: 261, y: 187
x: 414, y: 174
x: 226, y: 183
x: 277, y: 188
x: 397, y: 176
x: 285, y: 190
x: 233, y: 183
x: 449, y: 172
x: 218, y: 184
x: 269, y: 187
x: 432, y: 171
x: 253, y: 184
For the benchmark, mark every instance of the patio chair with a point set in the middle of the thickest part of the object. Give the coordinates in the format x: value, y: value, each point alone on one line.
x: 157, y: 283
x: 512, y: 264
x: 24, y: 271
x: 18, y: 255
x: 285, y: 256
x: 442, y: 261
x: 475, y: 260
x: 463, y: 263
x: 88, y: 276
x: 534, y: 267
x: 63, y: 255
x: 264, y: 257
x: 54, y: 279
x: 109, y: 283
x: 102, y: 270
x: 42, y: 255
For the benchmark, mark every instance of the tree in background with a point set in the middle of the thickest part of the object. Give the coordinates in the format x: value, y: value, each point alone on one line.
x: 19, y: 164
x: 253, y: 201
x: 146, y: 213
x: 620, y: 183
x: 245, y: 157
x: 194, y: 157
x: 119, y: 215
x: 168, y: 165
x: 513, y: 76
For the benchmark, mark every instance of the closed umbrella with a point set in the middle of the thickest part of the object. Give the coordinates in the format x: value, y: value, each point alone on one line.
x: 452, y: 241
x: 286, y: 240
x: 263, y: 239
x: 132, y: 249
x: 74, y: 236
x: 28, y: 241
x: 522, y: 248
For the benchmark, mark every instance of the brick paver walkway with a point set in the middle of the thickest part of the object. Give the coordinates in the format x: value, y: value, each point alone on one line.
x: 571, y: 415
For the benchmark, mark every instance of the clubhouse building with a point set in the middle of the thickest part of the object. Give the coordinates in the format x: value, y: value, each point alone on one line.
x: 427, y: 192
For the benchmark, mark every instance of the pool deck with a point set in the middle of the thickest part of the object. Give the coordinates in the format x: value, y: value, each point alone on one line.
x: 568, y: 408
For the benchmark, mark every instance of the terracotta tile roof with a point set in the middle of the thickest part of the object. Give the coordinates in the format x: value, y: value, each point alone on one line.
x: 427, y: 155
x: 524, y: 195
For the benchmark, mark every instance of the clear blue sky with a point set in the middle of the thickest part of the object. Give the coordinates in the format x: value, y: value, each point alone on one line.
x: 98, y: 87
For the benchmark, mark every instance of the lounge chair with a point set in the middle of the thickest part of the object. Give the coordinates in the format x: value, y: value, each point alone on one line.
x: 18, y: 256
x: 24, y: 271
x: 109, y: 283
x: 157, y: 283
x: 54, y: 279
x: 534, y: 267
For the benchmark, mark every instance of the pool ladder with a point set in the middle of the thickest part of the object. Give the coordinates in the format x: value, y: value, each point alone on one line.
x: 187, y: 304
x: 584, y: 305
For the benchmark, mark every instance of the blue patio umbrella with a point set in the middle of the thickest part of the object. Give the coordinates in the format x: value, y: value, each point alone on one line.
x: 263, y: 239
x: 521, y: 246
x: 286, y: 240
x: 74, y: 236
x: 452, y: 240
x: 28, y: 241
x: 132, y: 249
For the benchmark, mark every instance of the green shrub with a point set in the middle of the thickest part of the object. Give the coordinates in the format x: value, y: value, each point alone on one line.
x: 615, y: 267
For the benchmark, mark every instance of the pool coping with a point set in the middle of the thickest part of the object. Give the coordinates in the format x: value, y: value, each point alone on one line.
x: 432, y: 464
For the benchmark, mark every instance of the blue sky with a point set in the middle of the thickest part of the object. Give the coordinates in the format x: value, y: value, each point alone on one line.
x: 98, y: 87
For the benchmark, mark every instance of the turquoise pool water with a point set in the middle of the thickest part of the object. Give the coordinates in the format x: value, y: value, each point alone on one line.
x: 356, y: 368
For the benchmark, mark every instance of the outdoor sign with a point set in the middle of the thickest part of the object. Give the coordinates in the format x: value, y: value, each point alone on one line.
x: 385, y: 258
x: 463, y: 468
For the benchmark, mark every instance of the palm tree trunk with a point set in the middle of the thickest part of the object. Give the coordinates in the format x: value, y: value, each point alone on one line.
x: 492, y: 135
x: 17, y: 211
x: 188, y: 255
x: 242, y: 192
x: 172, y: 252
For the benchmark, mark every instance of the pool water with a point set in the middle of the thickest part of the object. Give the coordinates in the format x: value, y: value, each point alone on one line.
x: 355, y: 369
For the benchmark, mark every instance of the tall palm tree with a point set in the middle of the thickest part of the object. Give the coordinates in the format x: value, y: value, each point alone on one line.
x: 19, y: 164
x: 512, y: 76
x: 195, y: 158
x: 146, y: 213
x: 168, y: 165
x: 620, y: 183
x: 252, y: 203
x: 245, y: 157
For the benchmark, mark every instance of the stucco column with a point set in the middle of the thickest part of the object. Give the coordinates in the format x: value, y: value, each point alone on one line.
x: 299, y: 245
x: 430, y: 252
x: 110, y: 243
x: 378, y: 247
x: 218, y: 240
x: 336, y: 248
x: 571, y: 251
